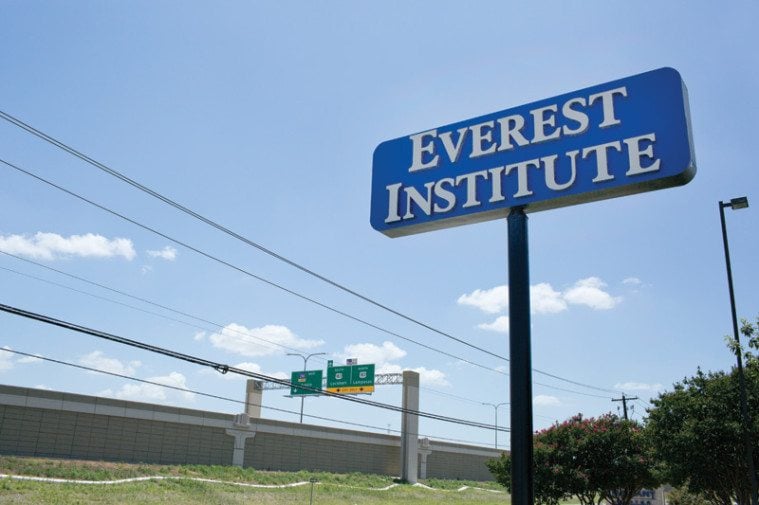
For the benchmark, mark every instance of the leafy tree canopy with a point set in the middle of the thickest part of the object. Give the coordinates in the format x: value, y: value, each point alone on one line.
x: 603, y: 459
x: 696, y: 430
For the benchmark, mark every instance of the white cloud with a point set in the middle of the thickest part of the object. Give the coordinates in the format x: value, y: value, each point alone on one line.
x: 168, y: 253
x: 492, y: 300
x: 431, y: 377
x: 546, y: 300
x: 427, y: 377
x: 589, y: 292
x: 500, y: 325
x: 632, y: 281
x: 29, y: 359
x: 6, y: 359
x: 543, y: 299
x: 142, y: 391
x: 546, y: 401
x: 248, y: 366
x: 96, y: 359
x: 50, y: 246
x: 199, y: 336
x: 372, y: 353
x: 264, y: 341
x: 638, y: 386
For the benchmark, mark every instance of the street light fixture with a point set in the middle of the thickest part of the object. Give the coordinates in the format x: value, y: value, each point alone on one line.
x: 735, y: 204
x: 305, y: 363
x: 495, y: 407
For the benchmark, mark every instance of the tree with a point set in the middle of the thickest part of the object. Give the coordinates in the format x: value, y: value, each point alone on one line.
x: 681, y: 496
x: 696, y: 431
x: 604, y: 459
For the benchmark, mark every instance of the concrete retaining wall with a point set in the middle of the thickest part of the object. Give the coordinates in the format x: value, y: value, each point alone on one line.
x: 52, y: 424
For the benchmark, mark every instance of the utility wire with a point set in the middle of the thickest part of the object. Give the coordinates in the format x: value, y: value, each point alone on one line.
x: 218, y: 397
x: 224, y: 229
x: 273, y: 284
x: 572, y: 391
x: 242, y: 336
x: 246, y: 272
x: 224, y: 368
x: 115, y: 173
x: 450, y: 395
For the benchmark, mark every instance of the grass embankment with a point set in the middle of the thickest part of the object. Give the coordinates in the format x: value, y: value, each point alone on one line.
x: 179, y: 488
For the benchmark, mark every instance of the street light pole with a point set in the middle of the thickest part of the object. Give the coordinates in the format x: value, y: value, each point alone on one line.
x: 495, y: 407
x: 735, y: 204
x: 305, y: 363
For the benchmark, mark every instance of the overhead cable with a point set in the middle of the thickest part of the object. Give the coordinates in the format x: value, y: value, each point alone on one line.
x: 237, y: 334
x: 278, y: 286
x: 241, y: 336
x: 218, y: 397
x: 224, y: 368
x: 155, y: 194
x: 227, y: 231
x: 246, y: 272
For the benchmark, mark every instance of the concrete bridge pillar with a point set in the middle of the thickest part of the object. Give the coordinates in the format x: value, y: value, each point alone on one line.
x: 410, y: 428
x: 253, y: 398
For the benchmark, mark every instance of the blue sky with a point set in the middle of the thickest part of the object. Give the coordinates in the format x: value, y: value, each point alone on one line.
x: 264, y: 117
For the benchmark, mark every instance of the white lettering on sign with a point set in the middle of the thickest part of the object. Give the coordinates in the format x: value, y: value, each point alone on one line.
x: 623, y: 157
x: 514, y: 181
x: 490, y: 137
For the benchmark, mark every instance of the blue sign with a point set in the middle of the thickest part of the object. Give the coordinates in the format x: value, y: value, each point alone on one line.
x: 614, y: 139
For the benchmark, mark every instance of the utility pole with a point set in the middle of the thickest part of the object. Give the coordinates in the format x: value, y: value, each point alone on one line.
x: 624, y: 402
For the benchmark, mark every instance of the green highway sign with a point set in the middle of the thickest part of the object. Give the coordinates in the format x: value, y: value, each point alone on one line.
x: 310, y: 379
x: 350, y: 379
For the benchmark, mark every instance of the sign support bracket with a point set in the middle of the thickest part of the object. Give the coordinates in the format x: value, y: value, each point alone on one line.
x: 520, y: 360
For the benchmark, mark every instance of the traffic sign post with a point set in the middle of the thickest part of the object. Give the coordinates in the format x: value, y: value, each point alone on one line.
x: 520, y: 364
x: 614, y: 139
x: 350, y: 379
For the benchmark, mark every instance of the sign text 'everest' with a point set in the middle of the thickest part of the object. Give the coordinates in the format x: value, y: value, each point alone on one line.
x: 620, y: 138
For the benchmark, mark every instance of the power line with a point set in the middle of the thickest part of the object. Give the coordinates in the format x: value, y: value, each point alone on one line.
x: 243, y: 336
x: 115, y: 173
x: 217, y: 397
x: 571, y: 391
x: 643, y: 403
x: 227, y: 231
x: 224, y: 368
x: 287, y: 290
x: 450, y: 395
x: 246, y: 272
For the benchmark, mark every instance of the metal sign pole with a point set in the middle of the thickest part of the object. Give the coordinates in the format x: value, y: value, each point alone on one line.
x: 521, y: 363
